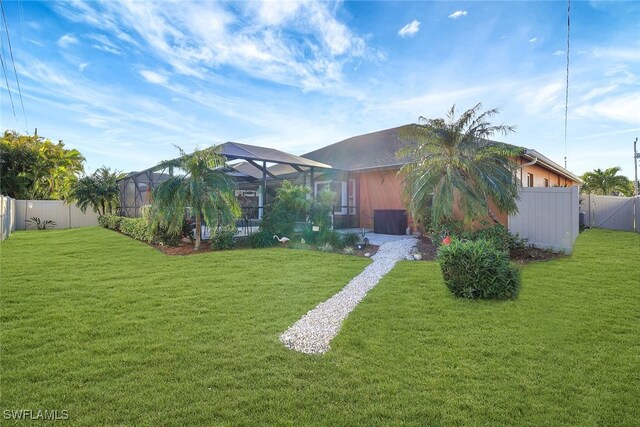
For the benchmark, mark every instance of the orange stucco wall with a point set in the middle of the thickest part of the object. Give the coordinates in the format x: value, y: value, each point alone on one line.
x: 378, y: 190
x: 539, y: 175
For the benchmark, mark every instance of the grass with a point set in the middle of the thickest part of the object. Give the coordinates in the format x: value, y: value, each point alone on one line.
x: 119, y: 334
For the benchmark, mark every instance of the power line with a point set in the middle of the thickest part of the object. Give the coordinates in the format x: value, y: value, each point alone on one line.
x: 4, y: 69
x: 15, y: 72
x: 566, y: 95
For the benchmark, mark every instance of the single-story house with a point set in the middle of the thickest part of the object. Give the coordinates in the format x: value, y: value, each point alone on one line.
x: 361, y: 170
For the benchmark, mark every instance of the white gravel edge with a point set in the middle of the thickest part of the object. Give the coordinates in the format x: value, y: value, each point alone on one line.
x: 313, y: 333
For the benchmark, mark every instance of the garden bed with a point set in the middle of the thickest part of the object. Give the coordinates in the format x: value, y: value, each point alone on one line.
x: 529, y: 254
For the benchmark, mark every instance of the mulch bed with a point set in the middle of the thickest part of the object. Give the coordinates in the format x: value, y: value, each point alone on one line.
x: 523, y: 256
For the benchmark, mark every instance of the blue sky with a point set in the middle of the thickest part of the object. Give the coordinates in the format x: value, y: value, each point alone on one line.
x: 123, y: 81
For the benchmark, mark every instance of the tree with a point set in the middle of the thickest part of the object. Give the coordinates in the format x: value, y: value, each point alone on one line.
x: 453, y: 162
x: 32, y: 167
x: 607, y: 182
x: 205, y: 189
x: 99, y: 191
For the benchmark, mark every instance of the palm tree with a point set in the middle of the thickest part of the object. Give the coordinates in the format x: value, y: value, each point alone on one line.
x: 205, y: 189
x: 454, y: 162
x: 607, y: 182
x: 99, y: 191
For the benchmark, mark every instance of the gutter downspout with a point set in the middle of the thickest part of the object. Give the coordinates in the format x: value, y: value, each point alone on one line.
x: 531, y: 163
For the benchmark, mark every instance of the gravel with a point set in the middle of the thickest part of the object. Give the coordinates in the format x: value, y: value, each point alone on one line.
x: 315, y: 330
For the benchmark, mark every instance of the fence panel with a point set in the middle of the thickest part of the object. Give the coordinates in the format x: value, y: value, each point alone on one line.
x: 65, y: 216
x: 547, y: 217
x: 7, y: 216
x: 612, y: 212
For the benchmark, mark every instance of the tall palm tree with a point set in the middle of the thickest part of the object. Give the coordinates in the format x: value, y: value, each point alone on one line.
x: 99, y: 191
x: 607, y: 182
x: 205, y: 189
x: 454, y: 162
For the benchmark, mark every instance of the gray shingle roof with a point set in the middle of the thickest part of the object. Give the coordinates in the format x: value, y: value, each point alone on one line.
x: 372, y: 150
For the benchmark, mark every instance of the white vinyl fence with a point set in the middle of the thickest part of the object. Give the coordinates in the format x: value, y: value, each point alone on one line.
x: 7, y: 216
x: 612, y: 212
x: 64, y: 216
x: 548, y: 217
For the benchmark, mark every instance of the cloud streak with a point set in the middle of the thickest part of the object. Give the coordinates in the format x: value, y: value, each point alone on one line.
x: 410, y: 29
x: 458, y: 14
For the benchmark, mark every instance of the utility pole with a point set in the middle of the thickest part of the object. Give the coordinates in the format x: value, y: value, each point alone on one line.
x: 636, y: 157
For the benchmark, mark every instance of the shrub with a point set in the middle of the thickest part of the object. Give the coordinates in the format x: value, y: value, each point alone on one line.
x: 165, y: 237
x: 326, y: 247
x: 138, y: 228
x: 476, y: 269
x: 291, y: 205
x: 112, y: 222
x: 224, y: 238
x: 309, y: 235
x: 349, y: 250
x: 331, y: 237
x: 41, y: 225
x: 350, y: 239
x: 321, y: 209
x: 261, y: 239
x: 498, y: 236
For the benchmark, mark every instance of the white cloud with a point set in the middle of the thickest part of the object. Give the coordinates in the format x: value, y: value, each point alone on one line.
x: 301, y: 44
x: 558, y: 53
x: 153, y: 77
x: 533, y: 40
x: 622, y: 108
x: 457, y: 14
x: 81, y: 67
x: 410, y: 29
x: 67, y: 40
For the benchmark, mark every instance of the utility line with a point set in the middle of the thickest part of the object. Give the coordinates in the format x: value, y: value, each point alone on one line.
x: 4, y: 69
x: 566, y: 95
x: 15, y: 72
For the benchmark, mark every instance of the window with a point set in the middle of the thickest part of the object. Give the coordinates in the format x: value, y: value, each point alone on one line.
x: 546, y: 182
x: 529, y: 180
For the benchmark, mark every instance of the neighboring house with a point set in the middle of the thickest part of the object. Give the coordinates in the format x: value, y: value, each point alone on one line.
x: 361, y: 170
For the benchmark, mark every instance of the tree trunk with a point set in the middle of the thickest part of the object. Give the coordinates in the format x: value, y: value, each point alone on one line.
x: 104, y: 209
x: 492, y: 215
x: 198, y: 232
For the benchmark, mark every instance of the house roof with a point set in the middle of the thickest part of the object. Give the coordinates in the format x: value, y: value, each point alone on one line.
x: 532, y: 155
x: 375, y: 150
x: 235, y: 150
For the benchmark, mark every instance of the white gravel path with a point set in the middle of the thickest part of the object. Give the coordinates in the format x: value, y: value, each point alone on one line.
x: 315, y: 330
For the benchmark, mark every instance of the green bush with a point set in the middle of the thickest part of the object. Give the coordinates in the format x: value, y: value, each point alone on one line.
x: 310, y: 236
x: 350, y: 239
x: 498, y: 236
x: 290, y: 206
x: 138, y: 228
x: 321, y: 209
x: 326, y: 247
x: 224, y: 238
x: 477, y: 269
x: 331, y: 237
x: 112, y: 222
x: 261, y: 239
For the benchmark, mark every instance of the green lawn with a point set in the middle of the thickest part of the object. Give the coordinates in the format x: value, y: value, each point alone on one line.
x: 116, y: 333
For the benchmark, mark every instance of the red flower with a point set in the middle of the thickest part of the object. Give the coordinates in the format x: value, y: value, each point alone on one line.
x: 446, y: 241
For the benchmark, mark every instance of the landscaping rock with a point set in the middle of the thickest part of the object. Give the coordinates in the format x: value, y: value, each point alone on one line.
x: 313, y: 333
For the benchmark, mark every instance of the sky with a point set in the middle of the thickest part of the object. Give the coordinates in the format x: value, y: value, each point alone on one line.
x: 125, y: 81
